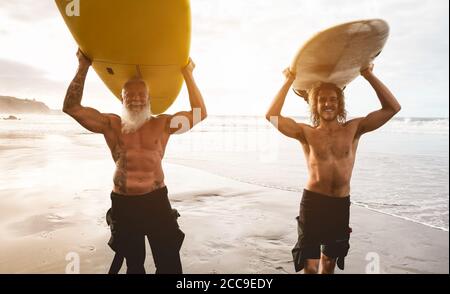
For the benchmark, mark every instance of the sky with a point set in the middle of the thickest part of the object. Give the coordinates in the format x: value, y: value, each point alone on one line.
x: 240, y: 48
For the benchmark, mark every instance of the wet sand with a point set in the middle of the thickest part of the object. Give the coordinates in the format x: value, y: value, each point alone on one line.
x: 231, y: 227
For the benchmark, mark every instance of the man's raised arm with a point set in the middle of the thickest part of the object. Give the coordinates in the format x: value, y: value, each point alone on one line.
x: 89, y: 118
x: 183, y: 121
x: 389, y: 105
x: 287, y: 126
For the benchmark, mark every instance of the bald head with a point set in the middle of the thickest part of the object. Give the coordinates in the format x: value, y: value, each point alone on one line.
x: 135, y: 83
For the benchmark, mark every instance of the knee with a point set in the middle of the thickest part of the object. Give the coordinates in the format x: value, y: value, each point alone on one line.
x: 135, y: 263
x: 135, y: 268
x: 328, y: 264
x: 311, y: 267
x: 168, y: 265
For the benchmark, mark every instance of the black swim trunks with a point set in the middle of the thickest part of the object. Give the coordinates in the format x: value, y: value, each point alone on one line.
x: 323, y: 226
x: 131, y: 219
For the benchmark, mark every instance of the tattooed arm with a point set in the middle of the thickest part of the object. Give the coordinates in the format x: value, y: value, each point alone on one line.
x: 89, y: 118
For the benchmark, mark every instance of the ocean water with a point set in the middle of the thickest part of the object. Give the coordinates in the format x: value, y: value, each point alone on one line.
x: 401, y: 169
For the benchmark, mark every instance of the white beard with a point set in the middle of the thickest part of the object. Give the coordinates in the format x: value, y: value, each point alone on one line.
x: 132, y: 121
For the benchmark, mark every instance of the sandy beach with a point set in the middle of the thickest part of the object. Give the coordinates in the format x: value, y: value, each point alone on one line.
x: 231, y: 227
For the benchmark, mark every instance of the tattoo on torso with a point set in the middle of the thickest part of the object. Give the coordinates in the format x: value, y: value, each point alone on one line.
x: 120, y: 176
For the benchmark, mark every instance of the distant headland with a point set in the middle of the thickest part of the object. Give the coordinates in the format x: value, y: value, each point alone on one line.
x: 13, y: 105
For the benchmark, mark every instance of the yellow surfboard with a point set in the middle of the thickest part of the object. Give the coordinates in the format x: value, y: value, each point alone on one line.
x: 128, y: 38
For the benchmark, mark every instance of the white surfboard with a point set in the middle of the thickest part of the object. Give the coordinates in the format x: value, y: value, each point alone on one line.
x: 338, y: 54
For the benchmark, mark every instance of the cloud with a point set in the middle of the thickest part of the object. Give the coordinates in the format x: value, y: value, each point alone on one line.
x: 11, y: 69
x: 17, y: 79
x: 28, y: 10
x: 25, y: 81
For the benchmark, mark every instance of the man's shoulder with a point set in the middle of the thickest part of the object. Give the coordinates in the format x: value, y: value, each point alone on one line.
x: 115, y: 121
x: 162, y: 120
x: 353, y: 126
x: 306, y: 127
x: 353, y: 122
x: 163, y: 116
x: 113, y: 117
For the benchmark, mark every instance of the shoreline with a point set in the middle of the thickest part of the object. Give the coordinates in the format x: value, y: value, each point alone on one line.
x: 300, y: 191
x: 401, y: 217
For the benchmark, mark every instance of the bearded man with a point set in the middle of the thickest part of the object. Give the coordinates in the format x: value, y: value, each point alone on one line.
x: 137, y: 140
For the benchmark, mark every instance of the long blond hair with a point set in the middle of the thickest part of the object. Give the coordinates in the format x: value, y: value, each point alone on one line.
x: 313, y: 94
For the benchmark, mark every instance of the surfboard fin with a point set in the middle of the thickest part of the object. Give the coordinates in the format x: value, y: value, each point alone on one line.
x: 302, y: 93
x: 376, y: 55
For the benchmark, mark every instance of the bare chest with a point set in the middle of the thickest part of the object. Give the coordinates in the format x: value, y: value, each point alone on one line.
x: 332, y: 146
x: 149, y: 139
x: 143, y: 140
